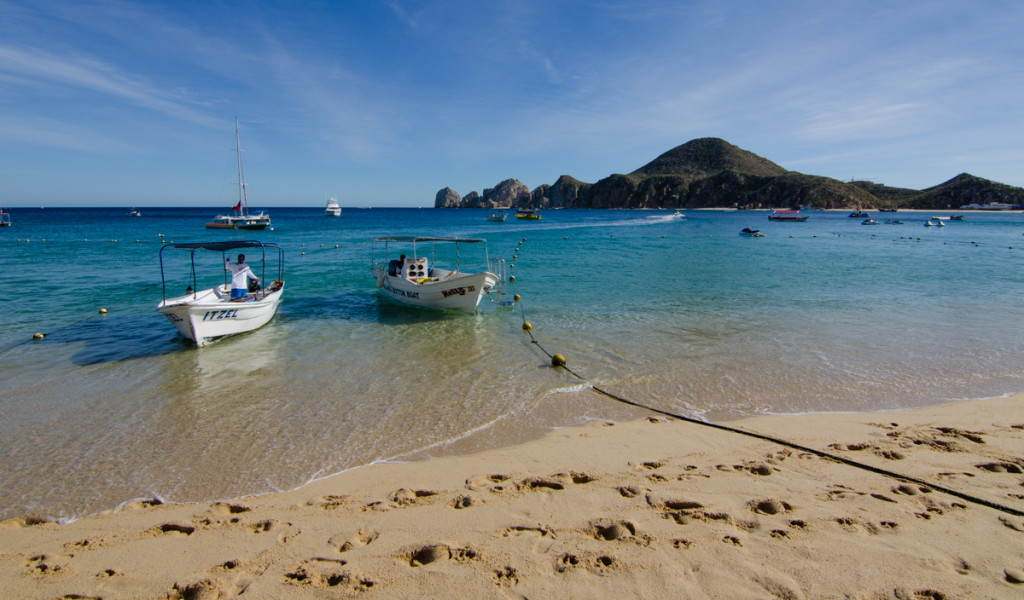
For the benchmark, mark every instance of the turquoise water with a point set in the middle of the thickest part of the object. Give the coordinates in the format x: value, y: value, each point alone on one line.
x: 682, y: 314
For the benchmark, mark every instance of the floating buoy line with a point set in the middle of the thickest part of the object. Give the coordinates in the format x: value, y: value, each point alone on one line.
x: 39, y: 336
x: 559, y: 362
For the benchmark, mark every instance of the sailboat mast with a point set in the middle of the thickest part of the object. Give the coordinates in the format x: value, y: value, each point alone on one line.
x: 242, y: 196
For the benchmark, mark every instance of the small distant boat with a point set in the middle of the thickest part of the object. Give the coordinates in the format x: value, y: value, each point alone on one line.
x: 956, y: 217
x: 888, y: 210
x: 859, y: 214
x: 134, y: 212
x: 787, y: 215
x: 748, y: 232
x: 204, y: 316
x: 5, y: 219
x: 333, y: 208
x: 933, y: 223
x: 420, y: 282
x: 244, y: 219
x: 497, y: 217
x: 528, y: 214
x: 869, y: 222
x: 893, y: 222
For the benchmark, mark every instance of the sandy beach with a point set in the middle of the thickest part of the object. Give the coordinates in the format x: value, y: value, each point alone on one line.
x: 653, y: 508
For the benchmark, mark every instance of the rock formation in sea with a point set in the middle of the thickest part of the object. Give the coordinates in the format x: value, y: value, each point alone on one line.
x: 710, y: 172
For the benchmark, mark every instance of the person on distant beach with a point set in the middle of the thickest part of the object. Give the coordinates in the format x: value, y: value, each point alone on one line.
x: 240, y: 275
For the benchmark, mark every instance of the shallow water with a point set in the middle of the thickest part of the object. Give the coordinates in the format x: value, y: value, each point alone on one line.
x: 682, y: 314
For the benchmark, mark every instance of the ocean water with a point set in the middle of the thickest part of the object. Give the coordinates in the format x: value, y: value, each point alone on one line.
x: 682, y: 314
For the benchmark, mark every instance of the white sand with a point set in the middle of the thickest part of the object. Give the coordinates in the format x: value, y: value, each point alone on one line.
x: 651, y: 508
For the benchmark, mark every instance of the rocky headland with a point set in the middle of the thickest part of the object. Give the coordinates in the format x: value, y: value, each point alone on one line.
x: 712, y: 173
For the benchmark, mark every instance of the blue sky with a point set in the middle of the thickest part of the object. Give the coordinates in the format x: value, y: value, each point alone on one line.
x: 383, y: 103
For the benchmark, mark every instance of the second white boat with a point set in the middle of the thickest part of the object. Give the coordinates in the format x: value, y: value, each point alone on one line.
x: 418, y: 281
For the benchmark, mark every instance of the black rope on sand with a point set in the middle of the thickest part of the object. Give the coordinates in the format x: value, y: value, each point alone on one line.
x: 780, y: 441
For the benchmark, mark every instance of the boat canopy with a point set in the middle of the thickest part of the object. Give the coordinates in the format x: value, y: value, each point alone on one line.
x: 417, y: 238
x: 222, y: 246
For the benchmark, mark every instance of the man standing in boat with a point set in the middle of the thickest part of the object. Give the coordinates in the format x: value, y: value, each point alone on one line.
x: 240, y: 275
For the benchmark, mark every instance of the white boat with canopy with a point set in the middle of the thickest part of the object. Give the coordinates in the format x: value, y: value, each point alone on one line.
x: 203, y: 316
x: 419, y: 281
x: 333, y: 208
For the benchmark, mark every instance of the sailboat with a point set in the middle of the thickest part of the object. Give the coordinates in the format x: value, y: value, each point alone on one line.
x: 244, y: 219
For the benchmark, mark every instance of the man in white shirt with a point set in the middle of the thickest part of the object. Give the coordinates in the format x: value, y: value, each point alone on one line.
x: 240, y: 275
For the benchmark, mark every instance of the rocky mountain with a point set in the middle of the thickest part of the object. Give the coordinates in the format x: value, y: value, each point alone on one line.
x: 710, y: 172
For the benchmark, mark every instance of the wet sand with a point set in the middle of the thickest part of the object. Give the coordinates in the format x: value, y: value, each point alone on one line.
x: 652, y: 508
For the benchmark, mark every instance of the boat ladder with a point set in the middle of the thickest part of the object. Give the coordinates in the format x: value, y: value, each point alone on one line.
x: 498, y: 293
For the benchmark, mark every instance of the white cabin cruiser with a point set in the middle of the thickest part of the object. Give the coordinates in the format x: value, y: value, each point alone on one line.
x: 418, y: 281
x: 333, y: 208
x: 203, y: 316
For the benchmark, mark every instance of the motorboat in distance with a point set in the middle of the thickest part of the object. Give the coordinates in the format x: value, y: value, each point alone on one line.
x: 787, y: 215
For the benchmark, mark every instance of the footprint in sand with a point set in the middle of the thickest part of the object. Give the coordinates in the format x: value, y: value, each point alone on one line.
x: 464, y: 501
x: 506, y: 577
x: 617, y: 531
x: 326, y: 573
x: 229, y: 509
x: 363, y: 537
x: 42, y: 565
x: 425, y: 555
x: 172, y: 528
x: 329, y: 502
x: 1001, y: 467
x: 405, y: 497
x: 495, y: 483
x: 769, y: 507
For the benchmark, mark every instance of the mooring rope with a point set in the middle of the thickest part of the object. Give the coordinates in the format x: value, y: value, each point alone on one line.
x: 559, y: 362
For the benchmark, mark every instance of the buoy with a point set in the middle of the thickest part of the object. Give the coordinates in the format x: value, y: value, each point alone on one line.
x: 38, y: 336
x: 515, y: 256
x: 511, y: 278
x: 103, y: 311
x: 160, y: 235
x: 335, y: 245
x: 136, y: 241
x: 524, y: 239
x: 516, y: 297
x: 321, y: 245
x: 567, y: 237
x: 44, y: 239
x: 527, y: 326
x: 512, y: 266
x: 303, y: 254
x: 303, y: 245
x: 558, y: 360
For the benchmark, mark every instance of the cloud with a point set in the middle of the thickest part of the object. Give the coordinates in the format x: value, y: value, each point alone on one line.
x: 38, y: 67
x: 59, y: 134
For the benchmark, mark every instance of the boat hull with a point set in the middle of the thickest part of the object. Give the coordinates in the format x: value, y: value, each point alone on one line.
x: 460, y: 292
x: 209, y: 316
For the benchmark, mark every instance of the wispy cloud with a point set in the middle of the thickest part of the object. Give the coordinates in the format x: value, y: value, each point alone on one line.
x: 59, y: 134
x: 37, y: 66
